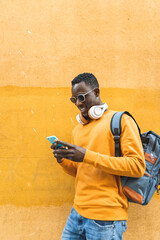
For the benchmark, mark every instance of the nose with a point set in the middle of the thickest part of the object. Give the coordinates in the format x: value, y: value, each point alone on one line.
x: 78, y: 102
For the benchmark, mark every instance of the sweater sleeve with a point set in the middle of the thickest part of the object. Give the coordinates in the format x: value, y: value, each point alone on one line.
x: 131, y: 163
x: 69, y: 166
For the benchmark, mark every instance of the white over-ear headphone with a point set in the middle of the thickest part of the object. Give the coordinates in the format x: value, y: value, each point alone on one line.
x: 94, y: 112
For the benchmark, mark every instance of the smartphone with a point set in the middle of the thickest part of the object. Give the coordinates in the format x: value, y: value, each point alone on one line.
x: 52, y: 140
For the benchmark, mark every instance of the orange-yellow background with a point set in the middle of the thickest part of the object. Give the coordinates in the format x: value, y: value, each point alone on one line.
x: 44, y: 45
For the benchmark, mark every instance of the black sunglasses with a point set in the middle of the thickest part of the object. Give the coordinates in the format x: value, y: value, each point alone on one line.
x: 80, y: 97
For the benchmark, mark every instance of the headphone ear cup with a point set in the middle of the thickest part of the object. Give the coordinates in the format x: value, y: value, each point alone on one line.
x: 81, y: 119
x: 96, y: 112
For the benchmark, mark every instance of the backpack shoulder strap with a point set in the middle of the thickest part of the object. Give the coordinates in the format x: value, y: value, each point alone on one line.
x: 116, y: 129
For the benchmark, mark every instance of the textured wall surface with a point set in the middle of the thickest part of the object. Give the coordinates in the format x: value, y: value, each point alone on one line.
x: 44, y: 45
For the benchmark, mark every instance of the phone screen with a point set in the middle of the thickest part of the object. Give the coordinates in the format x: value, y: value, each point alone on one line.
x: 52, y: 140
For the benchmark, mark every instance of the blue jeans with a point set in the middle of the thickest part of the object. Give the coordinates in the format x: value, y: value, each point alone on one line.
x: 78, y: 227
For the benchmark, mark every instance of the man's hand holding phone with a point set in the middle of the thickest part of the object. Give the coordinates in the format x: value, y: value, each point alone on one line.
x: 55, y: 145
x: 67, y: 151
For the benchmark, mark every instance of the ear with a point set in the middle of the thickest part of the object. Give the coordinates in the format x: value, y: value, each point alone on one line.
x: 97, y: 92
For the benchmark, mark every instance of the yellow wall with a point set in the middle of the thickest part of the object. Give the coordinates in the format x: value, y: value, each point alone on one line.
x: 44, y: 45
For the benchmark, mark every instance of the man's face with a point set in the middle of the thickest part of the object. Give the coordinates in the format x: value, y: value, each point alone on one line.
x: 91, y: 98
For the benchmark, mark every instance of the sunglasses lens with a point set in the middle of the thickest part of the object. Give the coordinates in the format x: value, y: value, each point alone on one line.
x: 81, y: 98
x: 73, y: 99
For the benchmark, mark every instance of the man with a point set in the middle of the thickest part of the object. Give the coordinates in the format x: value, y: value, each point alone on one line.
x: 100, y: 207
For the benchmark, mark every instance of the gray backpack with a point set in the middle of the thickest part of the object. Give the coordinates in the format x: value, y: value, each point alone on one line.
x: 140, y: 190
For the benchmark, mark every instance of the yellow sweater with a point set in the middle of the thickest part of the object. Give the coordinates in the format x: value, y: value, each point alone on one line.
x: 98, y: 190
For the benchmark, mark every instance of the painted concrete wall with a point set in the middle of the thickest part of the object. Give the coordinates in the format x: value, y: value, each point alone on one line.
x: 44, y: 45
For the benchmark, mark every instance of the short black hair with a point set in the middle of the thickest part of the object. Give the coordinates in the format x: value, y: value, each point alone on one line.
x: 88, y: 78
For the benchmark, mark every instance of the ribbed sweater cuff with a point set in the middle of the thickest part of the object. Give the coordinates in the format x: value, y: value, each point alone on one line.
x: 91, y: 157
